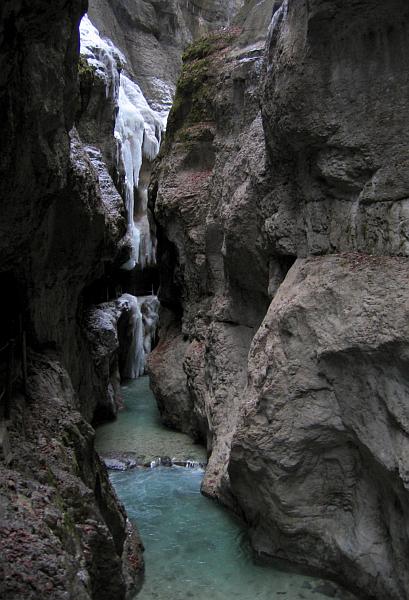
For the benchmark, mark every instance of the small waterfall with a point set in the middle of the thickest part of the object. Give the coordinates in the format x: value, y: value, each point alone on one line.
x: 132, y: 331
x: 161, y: 461
x: 192, y: 464
x: 150, y: 316
x: 137, y: 328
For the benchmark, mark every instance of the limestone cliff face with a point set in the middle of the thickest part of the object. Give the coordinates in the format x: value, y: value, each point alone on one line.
x: 63, y: 532
x: 153, y: 34
x: 213, y: 264
x: 60, y: 219
x: 334, y: 105
x: 303, y: 408
x: 318, y: 461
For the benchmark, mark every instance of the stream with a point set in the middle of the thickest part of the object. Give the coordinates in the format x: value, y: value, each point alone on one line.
x: 194, y: 548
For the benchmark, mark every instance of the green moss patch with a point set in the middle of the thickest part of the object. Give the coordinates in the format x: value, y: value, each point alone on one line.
x: 209, y: 44
x: 85, y: 70
x: 195, y: 92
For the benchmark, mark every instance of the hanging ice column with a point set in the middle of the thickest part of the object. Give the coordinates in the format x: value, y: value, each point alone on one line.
x: 138, y: 129
x: 138, y: 327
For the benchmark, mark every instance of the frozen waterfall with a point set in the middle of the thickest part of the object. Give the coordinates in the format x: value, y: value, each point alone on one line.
x: 138, y: 131
x: 102, y: 55
x: 138, y: 330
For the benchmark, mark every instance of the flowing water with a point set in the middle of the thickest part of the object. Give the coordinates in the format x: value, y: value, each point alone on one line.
x: 139, y: 432
x: 194, y: 548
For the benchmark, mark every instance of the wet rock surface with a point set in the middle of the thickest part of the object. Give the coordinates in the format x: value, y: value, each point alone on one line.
x: 323, y: 433
x: 309, y: 394
x: 64, y: 533
x: 153, y: 34
x: 334, y: 93
x: 212, y: 303
x: 123, y: 461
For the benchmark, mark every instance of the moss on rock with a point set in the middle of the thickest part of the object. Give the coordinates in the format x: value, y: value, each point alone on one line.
x: 194, y: 98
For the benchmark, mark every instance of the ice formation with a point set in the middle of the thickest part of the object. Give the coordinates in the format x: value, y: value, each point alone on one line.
x: 164, y: 94
x: 102, y: 55
x: 138, y: 131
x: 150, y: 315
x: 279, y: 15
x: 134, y: 364
x: 141, y: 323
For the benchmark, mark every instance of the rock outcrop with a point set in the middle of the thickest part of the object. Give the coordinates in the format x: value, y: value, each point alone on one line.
x: 318, y: 462
x: 63, y: 532
x: 61, y: 223
x: 334, y: 100
x: 303, y: 405
x: 212, y: 168
x: 153, y: 34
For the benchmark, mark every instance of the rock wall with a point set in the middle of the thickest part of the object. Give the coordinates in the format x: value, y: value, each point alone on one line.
x: 212, y: 167
x: 303, y: 404
x: 334, y: 100
x: 318, y: 462
x: 153, y: 34
x: 63, y: 532
x: 61, y: 221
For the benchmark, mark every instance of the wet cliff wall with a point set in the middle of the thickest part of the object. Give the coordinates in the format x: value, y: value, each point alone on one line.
x: 63, y: 532
x: 214, y: 269
x: 301, y: 211
x: 153, y: 34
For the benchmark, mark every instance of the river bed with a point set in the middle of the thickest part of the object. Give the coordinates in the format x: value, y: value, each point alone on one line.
x: 194, y: 548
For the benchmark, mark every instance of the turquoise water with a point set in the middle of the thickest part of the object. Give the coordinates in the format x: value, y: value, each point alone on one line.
x: 194, y: 548
x: 138, y: 430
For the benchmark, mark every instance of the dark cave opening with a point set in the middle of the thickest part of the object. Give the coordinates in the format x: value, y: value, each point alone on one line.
x: 13, y: 354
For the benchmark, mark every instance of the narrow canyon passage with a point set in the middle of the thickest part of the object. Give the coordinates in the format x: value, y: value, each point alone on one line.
x: 194, y: 549
x: 204, y: 237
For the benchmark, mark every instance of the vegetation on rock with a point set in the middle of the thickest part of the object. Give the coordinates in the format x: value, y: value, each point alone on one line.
x: 194, y: 99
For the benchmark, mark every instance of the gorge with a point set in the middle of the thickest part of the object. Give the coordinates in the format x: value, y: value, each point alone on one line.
x: 212, y: 194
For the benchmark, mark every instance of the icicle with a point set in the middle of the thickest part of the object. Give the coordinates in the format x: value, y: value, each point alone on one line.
x: 142, y: 323
x: 149, y: 308
x: 135, y: 358
x: 138, y: 129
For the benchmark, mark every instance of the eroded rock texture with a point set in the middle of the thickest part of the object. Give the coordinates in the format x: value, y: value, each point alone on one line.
x: 213, y: 167
x: 316, y: 413
x: 319, y: 460
x: 334, y: 106
x: 63, y: 532
x: 64, y: 535
x: 153, y: 34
